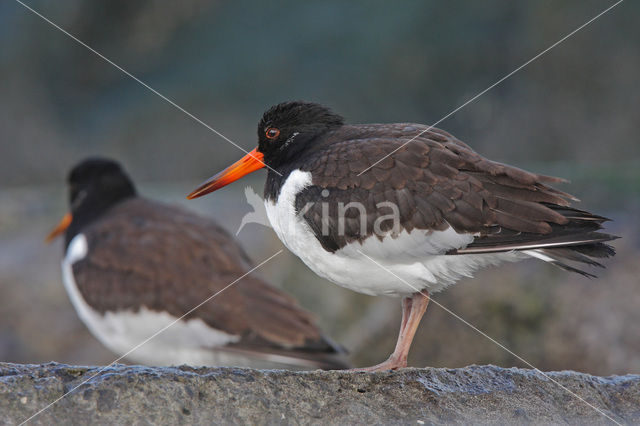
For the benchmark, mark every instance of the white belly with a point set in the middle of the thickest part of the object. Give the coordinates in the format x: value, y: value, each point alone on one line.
x: 183, y: 342
x: 394, y: 266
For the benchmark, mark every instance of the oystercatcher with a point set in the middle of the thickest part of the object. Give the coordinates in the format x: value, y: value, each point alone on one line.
x: 133, y: 266
x: 347, y: 197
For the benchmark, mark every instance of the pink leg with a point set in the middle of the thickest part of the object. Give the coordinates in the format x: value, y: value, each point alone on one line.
x: 406, y: 311
x: 413, y: 308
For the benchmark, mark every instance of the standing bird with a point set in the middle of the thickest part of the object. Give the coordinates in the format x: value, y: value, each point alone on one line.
x: 367, y: 210
x: 133, y: 266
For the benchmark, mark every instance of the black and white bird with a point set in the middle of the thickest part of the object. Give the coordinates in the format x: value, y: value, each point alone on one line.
x: 367, y: 210
x: 133, y: 266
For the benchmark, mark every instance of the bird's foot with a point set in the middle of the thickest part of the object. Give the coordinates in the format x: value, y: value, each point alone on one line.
x: 390, y: 364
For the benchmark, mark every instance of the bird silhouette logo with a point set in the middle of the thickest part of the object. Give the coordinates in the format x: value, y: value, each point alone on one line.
x: 259, y: 213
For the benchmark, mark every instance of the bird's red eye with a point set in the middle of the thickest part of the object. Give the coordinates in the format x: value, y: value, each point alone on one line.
x: 272, y: 133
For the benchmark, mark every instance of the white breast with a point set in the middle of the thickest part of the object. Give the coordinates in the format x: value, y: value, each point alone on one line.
x: 397, y: 266
x: 185, y: 342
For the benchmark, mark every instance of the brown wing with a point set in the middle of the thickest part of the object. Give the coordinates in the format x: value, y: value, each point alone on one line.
x: 143, y: 253
x: 435, y: 180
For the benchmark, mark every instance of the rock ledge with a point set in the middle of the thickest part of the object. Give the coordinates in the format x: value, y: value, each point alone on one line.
x: 144, y: 395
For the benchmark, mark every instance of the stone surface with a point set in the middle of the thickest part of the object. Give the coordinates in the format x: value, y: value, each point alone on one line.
x: 178, y: 395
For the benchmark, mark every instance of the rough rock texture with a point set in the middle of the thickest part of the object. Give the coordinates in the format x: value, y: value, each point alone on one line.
x: 476, y: 394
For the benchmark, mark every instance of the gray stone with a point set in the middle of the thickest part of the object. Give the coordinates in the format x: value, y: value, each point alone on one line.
x: 178, y: 395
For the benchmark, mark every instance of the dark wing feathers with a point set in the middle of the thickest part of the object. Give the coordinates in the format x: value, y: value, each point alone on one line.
x: 435, y: 174
x: 149, y: 254
x: 436, y: 181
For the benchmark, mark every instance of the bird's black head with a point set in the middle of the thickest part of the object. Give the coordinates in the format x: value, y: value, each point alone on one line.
x: 287, y: 127
x: 95, y: 185
x: 285, y: 130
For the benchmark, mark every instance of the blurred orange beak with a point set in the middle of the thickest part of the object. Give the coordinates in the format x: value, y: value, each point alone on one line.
x: 62, y: 226
x: 247, y: 164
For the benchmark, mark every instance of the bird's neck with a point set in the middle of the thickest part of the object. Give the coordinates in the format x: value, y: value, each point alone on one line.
x: 275, y: 180
x: 281, y: 164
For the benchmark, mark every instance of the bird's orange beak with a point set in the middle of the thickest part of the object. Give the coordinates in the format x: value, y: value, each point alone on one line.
x: 62, y: 226
x: 247, y: 164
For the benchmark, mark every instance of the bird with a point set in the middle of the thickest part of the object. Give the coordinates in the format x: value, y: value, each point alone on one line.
x: 405, y: 209
x: 133, y: 266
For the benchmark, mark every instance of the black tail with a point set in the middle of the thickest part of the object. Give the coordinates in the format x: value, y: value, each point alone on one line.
x: 580, y: 240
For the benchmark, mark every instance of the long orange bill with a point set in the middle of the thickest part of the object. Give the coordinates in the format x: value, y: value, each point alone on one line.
x: 62, y: 226
x: 247, y: 164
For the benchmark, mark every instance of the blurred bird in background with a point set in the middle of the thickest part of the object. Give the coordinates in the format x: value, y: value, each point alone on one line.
x: 133, y: 267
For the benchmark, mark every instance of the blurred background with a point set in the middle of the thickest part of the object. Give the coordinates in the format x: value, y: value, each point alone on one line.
x: 571, y: 113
